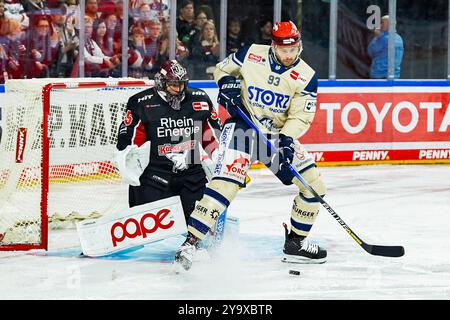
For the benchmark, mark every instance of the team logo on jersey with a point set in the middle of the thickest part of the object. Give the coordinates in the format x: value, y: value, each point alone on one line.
x: 238, y: 164
x: 146, y: 97
x: 164, y: 149
x: 128, y: 118
x: 296, y: 76
x: 200, y: 106
x: 268, y: 123
x: 276, y: 102
x: 214, y: 114
x: 255, y: 58
x: 310, y: 105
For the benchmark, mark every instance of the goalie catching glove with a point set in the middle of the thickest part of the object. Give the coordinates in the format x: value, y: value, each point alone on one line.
x: 132, y: 161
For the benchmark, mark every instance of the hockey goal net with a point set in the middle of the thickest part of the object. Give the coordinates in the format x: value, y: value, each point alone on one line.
x: 55, y: 155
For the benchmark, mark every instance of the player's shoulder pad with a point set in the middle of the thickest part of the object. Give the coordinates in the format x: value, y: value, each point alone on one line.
x: 200, y: 99
x: 260, y: 47
x: 312, y: 84
x: 197, y: 93
x: 239, y: 56
x: 306, y: 76
x: 144, y: 96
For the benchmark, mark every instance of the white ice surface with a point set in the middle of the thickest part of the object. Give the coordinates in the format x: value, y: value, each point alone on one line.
x: 388, y: 205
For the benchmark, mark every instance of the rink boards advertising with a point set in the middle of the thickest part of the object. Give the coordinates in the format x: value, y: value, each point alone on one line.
x: 363, y: 122
x: 374, y: 122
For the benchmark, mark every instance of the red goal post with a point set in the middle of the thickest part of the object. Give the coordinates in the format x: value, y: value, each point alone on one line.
x: 56, y: 152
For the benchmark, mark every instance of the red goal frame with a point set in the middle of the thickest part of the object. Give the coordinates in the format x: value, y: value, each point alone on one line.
x: 45, y: 158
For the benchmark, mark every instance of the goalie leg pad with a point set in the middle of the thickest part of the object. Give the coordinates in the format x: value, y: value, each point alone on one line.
x: 216, y: 199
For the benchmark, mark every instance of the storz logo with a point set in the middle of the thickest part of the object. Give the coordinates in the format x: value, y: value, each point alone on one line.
x: 132, y: 228
x: 267, y: 98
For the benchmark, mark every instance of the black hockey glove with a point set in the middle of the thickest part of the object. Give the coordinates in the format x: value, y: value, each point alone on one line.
x: 229, y: 94
x: 286, y: 148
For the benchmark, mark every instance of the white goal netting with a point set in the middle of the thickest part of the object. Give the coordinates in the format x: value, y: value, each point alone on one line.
x: 73, y: 160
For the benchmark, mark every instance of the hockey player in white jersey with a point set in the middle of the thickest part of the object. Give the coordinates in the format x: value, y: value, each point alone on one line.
x: 277, y: 90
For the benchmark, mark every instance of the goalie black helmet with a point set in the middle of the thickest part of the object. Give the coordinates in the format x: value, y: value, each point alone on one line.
x: 171, y: 81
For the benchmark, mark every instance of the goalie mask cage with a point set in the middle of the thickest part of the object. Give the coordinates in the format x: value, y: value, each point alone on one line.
x: 56, y: 154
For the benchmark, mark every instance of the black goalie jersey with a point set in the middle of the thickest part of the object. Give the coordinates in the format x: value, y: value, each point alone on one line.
x: 175, y: 135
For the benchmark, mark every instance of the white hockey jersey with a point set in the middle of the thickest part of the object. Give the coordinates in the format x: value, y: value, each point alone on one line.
x: 279, y: 99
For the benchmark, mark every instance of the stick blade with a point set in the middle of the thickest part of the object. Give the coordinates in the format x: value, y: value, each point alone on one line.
x: 385, y: 251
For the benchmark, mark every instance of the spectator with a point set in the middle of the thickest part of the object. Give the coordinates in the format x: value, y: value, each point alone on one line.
x: 119, y: 13
x: 200, y: 18
x: 69, y: 42
x: 71, y: 7
x: 160, y: 9
x: 15, y: 50
x: 3, y: 42
x: 100, y: 36
x: 378, y: 51
x: 265, y: 32
x: 140, y: 63
x: 185, y: 21
x: 181, y: 52
x: 143, y: 13
x: 207, y: 10
x: 44, y: 45
x: 205, y: 53
x: 96, y: 63
x: 91, y: 9
x: 3, y: 62
x: 113, y: 34
x: 152, y: 34
x: 2, y: 15
x: 15, y: 10
x: 31, y: 6
x: 133, y: 8
x: 234, y: 40
x: 106, y: 6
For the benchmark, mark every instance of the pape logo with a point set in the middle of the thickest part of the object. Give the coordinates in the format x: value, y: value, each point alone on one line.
x: 21, y: 141
x: 140, y: 228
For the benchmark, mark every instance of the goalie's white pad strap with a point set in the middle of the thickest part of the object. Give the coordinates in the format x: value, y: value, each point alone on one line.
x: 132, y: 161
x: 132, y: 227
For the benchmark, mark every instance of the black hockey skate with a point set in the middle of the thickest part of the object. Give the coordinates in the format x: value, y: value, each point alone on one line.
x: 185, y: 254
x: 298, y: 249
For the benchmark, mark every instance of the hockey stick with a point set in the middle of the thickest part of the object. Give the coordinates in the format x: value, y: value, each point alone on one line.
x: 385, y: 251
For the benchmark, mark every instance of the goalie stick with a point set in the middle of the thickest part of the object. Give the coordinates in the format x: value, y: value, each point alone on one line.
x: 377, y: 250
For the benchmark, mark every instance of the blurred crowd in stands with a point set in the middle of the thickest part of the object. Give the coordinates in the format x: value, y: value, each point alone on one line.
x: 40, y: 38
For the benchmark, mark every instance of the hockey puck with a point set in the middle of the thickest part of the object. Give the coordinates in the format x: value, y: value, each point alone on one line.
x: 294, y: 272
